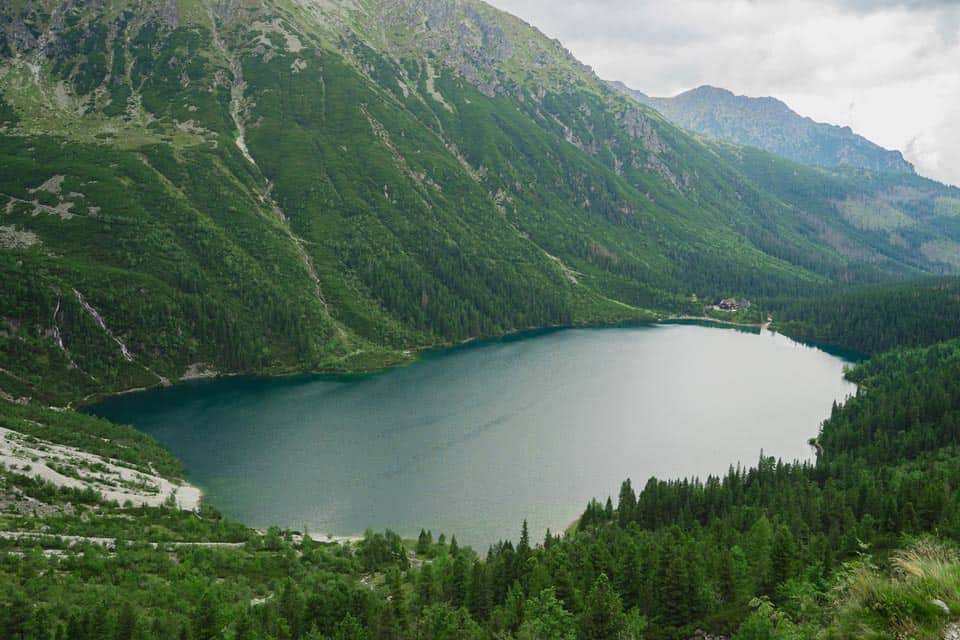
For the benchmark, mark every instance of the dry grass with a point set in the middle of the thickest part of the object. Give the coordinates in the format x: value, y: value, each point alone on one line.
x: 908, y: 602
x: 925, y: 558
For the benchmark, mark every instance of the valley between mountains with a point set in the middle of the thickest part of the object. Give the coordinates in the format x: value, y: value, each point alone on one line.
x: 236, y: 188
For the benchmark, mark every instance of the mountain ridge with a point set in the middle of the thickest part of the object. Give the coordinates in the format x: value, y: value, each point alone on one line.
x: 770, y: 124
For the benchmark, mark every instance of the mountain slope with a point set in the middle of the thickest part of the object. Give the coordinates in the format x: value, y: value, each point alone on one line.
x: 286, y: 186
x: 769, y: 124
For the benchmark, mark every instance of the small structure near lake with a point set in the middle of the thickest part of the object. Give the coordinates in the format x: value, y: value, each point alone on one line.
x: 731, y: 304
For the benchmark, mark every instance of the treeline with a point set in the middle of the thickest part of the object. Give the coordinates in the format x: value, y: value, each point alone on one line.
x: 875, y: 319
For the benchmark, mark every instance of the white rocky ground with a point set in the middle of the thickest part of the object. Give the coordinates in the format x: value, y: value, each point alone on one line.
x: 70, y: 467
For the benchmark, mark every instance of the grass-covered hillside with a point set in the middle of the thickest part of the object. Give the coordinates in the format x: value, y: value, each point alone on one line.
x: 192, y: 187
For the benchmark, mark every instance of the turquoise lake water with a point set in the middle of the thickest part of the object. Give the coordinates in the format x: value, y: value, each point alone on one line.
x: 473, y: 440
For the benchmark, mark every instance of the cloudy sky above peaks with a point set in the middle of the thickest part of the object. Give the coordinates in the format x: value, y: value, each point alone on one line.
x: 889, y: 69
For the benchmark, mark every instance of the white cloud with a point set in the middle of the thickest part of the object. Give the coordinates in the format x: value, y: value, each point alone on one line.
x: 888, y: 69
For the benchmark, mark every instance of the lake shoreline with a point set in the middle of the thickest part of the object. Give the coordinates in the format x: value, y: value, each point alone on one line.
x: 409, y: 357
x: 719, y: 321
x: 413, y: 356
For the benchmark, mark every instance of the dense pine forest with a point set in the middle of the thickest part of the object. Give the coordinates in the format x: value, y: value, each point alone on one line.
x: 855, y: 544
x: 875, y: 319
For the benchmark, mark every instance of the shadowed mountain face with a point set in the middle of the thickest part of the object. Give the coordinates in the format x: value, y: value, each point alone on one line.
x: 199, y: 186
x: 769, y: 124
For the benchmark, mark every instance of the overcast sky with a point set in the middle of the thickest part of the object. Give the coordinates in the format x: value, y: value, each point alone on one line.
x: 889, y: 69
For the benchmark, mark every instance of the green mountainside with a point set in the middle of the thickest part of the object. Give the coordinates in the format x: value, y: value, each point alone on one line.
x: 769, y: 124
x: 192, y: 187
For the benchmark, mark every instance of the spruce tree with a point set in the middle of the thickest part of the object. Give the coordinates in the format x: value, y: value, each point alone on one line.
x: 602, y: 617
x: 627, y: 504
x: 479, y: 592
x: 126, y: 622
x: 424, y: 542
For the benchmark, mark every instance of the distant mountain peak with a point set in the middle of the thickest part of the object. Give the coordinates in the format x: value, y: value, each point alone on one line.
x: 709, y: 89
x: 770, y: 124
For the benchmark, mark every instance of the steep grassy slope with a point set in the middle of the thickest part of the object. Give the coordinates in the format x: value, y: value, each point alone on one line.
x: 236, y: 186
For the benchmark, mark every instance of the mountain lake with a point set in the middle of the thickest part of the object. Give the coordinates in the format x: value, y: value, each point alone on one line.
x: 473, y: 440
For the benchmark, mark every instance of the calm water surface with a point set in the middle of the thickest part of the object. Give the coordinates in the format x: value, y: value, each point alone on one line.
x: 473, y: 440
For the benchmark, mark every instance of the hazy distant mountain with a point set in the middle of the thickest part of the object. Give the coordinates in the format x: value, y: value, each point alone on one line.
x: 769, y: 124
